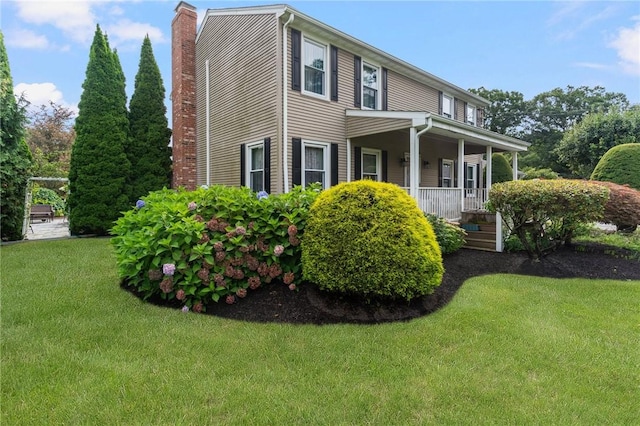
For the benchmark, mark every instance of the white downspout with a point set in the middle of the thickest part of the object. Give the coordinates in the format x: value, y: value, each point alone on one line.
x: 348, y: 160
x: 285, y: 108
x: 208, y: 126
x: 414, y: 155
x: 460, y: 173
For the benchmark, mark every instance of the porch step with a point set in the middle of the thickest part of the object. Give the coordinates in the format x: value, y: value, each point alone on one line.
x: 481, y: 240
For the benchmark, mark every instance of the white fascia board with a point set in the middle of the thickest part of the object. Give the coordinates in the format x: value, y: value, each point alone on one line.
x: 491, y: 138
x: 401, y: 115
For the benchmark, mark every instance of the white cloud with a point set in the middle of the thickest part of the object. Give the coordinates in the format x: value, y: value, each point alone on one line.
x: 26, y: 39
x: 591, y: 65
x: 125, y: 32
x: 74, y: 18
x: 41, y: 94
x: 627, y: 44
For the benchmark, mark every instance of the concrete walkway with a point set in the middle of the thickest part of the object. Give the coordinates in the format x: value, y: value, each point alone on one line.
x: 58, y: 228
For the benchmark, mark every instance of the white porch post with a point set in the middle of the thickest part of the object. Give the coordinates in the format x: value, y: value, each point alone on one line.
x: 414, y: 155
x: 461, y: 172
x: 348, y: 160
x: 515, y: 165
x: 489, y: 168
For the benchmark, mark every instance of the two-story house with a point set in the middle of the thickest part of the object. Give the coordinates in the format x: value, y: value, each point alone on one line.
x: 268, y: 97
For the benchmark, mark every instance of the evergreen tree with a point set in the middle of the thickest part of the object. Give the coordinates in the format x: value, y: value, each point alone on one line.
x: 148, y: 149
x: 99, y: 166
x: 15, y: 157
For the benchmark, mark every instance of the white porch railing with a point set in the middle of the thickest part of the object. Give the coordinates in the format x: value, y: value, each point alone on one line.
x: 446, y: 202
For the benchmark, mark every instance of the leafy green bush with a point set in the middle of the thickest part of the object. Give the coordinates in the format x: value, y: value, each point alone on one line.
x: 544, y: 213
x: 370, y: 239
x: 623, y: 206
x: 48, y: 196
x: 203, y: 245
x: 531, y: 173
x: 621, y: 165
x: 450, y: 237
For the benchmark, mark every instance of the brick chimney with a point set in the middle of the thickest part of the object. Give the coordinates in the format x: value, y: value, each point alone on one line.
x: 183, y: 95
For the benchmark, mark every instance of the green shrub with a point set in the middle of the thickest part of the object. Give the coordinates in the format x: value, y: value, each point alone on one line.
x: 501, y: 170
x: 621, y: 165
x: 531, y: 173
x: 203, y: 245
x: 623, y: 206
x: 450, y: 237
x: 545, y: 213
x: 370, y: 239
x: 42, y: 195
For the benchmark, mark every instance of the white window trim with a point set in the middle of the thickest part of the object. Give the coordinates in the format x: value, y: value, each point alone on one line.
x: 247, y: 169
x: 327, y: 68
x: 453, y: 172
x: 378, y: 154
x: 466, y: 115
x: 471, y: 167
x: 378, y: 83
x: 327, y: 158
x: 452, y: 104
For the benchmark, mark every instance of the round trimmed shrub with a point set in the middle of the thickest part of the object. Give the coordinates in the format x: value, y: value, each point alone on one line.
x: 621, y: 165
x: 623, y: 206
x: 501, y: 170
x: 370, y: 239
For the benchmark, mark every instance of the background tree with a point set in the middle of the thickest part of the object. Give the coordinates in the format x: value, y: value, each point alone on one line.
x: 507, y: 111
x: 551, y: 114
x: 586, y: 142
x: 50, y: 136
x: 15, y: 158
x: 148, y: 149
x: 99, y: 166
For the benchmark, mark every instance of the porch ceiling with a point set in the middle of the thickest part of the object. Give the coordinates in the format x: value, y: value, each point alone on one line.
x: 369, y: 122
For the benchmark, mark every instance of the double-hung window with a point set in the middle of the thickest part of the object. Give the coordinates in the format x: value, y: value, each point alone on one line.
x: 255, y: 169
x: 470, y: 115
x: 370, y: 86
x: 315, y: 68
x: 447, y: 105
x: 371, y: 164
x: 315, y: 163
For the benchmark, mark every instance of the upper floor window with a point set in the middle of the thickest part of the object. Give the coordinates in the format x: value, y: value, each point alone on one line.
x: 447, y: 105
x: 470, y: 115
x: 315, y: 67
x: 371, y: 164
x: 255, y: 166
x: 370, y: 86
x: 315, y: 163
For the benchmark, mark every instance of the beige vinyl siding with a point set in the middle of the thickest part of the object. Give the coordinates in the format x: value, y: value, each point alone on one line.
x: 360, y: 126
x: 395, y: 143
x: 405, y: 94
x: 243, y: 54
x: 320, y: 120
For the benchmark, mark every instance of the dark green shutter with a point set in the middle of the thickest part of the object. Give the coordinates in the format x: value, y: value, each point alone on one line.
x: 296, y: 47
x: 243, y: 164
x: 440, y: 162
x: 334, y: 164
x: 297, y: 161
x: 357, y: 81
x: 385, y: 91
x: 464, y: 107
x: 455, y: 108
x: 384, y: 159
x: 334, y: 73
x: 267, y: 164
x: 357, y: 153
x: 466, y: 175
x: 440, y: 105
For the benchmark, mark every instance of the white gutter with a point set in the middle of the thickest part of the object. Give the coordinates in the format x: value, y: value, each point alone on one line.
x: 285, y: 115
x: 208, y: 125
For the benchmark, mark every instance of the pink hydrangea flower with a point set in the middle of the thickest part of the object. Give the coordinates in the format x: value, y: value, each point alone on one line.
x: 292, y: 230
x: 240, y: 230
x: 185, y: 308
x: 193, y: 205
x: 168, y: 269
x: 278, y: 250
x: 288, y: 278
x: 241, y: 292
x: 197, y: 307
x: 180, y: 295
x: 166, y: 285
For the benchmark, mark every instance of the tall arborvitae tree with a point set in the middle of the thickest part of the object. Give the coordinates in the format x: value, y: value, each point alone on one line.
x: 15, y: 158
x: 148, y: 150
x: 99, y: 166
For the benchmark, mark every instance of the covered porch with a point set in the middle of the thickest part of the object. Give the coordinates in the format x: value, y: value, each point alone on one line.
x: 445, y: 165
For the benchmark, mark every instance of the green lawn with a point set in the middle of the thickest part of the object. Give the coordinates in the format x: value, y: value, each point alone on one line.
x: 76, y: 349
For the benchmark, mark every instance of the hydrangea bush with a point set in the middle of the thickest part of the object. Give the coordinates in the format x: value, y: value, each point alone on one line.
x: 212, y: 243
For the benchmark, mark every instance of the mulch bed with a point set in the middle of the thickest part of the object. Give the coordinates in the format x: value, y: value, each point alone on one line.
x: 308, y: 305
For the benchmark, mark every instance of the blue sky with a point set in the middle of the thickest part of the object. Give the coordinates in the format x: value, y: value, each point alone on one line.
x: 530, y: 47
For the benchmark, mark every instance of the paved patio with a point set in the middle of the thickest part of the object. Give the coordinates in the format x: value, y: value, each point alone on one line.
x: 58, y: 228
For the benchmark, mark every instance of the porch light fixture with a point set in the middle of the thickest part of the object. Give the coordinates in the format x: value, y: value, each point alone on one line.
x: 404, y: 161
x: 425, y: 164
